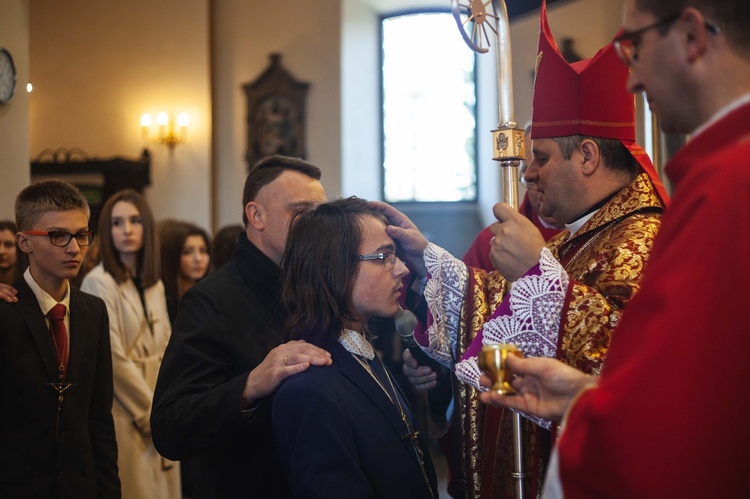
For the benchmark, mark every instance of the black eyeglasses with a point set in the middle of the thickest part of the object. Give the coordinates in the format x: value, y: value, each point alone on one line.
x: 627, y: 43
x: 388, y: 259
x: 62, y: 238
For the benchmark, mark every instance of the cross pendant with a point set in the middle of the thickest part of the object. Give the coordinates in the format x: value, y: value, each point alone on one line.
x: 413, y: 435
x: 60, y: 387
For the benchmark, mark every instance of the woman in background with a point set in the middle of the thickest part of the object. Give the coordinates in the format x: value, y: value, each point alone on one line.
x: 127, y: 279
x: 185, y: 259
x: 345, y: 430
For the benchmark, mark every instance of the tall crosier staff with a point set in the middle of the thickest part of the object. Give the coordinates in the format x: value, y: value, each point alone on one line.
x: 507, y: 143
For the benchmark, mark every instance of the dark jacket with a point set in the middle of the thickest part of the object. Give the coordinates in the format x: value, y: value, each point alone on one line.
x: 226, y: 325
x: 341, y: 436
x: 82, y: 463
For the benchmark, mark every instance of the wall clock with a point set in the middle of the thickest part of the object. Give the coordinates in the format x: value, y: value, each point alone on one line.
x: 7, y: 76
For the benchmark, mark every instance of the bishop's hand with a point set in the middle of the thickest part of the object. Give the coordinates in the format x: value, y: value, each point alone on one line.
x: 402, y: 229
x: 517, y: 243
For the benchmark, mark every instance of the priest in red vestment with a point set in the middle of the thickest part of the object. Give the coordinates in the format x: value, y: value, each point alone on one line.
x: 659, y: 421
x: 589, y: 173
x: 478, y: 256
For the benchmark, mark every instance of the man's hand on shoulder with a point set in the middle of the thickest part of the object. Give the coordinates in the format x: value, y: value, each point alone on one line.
x: 8, y: 293
x: 280, y: 363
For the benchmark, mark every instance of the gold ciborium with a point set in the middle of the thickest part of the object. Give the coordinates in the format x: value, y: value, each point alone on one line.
x: 492, y: 361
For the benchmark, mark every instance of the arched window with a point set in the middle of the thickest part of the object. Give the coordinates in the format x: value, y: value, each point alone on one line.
x: 428, y: 110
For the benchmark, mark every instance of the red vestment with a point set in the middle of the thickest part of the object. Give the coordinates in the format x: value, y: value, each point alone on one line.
x: 478, y: 256
x: 665, y: 420
x: 603, y: 260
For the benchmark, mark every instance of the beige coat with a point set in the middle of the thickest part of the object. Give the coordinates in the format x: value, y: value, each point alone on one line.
x: 138, y: 345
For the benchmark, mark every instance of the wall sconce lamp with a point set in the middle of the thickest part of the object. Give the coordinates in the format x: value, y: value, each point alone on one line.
x: 168, y: 134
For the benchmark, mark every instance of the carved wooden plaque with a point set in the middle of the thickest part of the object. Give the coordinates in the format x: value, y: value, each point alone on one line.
x: 276, y: 104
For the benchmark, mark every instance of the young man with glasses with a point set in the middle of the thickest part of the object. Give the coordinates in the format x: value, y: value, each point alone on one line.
x: 659, y: 422
x: 56, y: 426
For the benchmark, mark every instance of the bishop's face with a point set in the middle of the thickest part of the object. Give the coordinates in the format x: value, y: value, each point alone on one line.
x: 555, y: 179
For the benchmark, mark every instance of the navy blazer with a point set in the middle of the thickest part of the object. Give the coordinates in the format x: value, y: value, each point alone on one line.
x: 83, y: 462
x: 339, y: 435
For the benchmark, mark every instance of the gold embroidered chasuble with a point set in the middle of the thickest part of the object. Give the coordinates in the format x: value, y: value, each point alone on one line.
x: 603, y: 263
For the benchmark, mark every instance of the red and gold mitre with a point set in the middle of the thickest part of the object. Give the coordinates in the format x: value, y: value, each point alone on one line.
x: 587, y: 97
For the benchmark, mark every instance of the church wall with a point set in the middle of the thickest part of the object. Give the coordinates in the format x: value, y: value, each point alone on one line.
x: 14, y: 116
x: 307, y: 35
x: 98, y: 66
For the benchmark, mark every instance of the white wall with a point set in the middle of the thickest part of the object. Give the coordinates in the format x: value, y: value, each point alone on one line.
x: 360, y: 101
x: 98, y: 66
x: 591, y: 23
x: 307, y: 35
x: 14, y: 116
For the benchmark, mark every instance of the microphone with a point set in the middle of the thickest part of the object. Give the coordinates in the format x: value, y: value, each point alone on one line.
x: 406, y: 321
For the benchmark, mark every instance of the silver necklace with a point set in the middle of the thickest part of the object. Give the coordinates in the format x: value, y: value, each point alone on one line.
x: 412, y: 435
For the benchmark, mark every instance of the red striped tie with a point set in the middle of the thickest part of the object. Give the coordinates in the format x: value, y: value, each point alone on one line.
x: 57, y: 321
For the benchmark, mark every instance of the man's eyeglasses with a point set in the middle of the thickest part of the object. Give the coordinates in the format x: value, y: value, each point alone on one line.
x: 627, y: 43
x: 62, y: 238
x: 388, y: 259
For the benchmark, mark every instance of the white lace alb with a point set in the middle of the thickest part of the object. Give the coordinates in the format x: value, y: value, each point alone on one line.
x: 531, y: 321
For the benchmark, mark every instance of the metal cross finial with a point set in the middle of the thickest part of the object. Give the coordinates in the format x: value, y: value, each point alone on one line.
x: 474, y: 13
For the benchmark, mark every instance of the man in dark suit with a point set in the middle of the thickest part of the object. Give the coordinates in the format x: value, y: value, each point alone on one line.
x: 56, y: 427
x: 227, y: 355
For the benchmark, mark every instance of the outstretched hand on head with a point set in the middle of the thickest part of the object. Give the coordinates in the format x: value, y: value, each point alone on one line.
x: 407, y: 234
x: 545, y: 387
